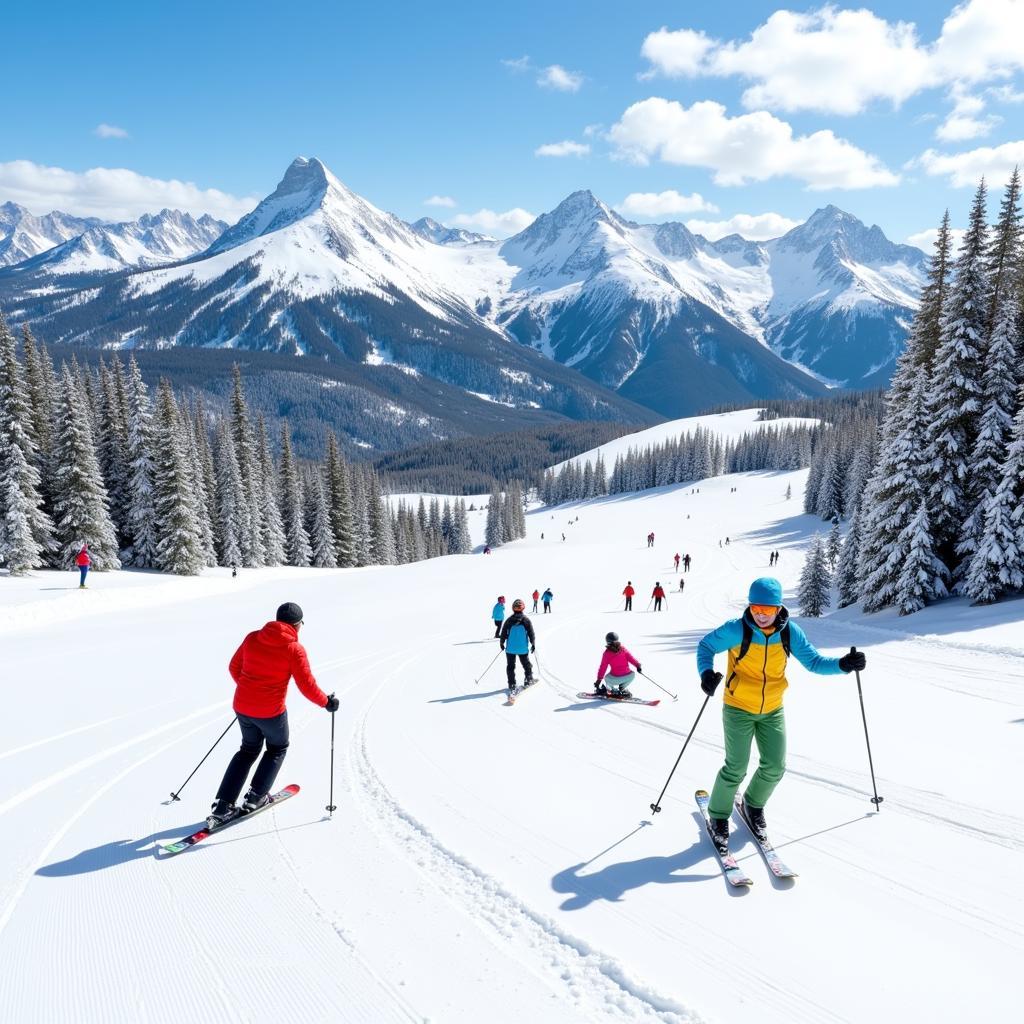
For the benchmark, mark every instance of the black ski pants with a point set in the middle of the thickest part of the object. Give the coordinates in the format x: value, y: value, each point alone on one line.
x: 629, y: 603
x: 510, y: 668
x: 497, y: 628
x: 254, y: 731
x: 657, y: 604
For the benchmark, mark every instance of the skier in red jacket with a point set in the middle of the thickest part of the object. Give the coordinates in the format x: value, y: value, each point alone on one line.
x: 628, y: 594
x: 261, y: 669
x: 83, y: 561
x: 658, y: 594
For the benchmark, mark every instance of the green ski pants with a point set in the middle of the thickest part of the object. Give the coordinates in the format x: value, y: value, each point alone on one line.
x: 740, y: 728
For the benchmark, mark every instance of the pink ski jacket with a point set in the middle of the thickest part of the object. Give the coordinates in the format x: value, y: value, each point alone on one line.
x: 618, y: 661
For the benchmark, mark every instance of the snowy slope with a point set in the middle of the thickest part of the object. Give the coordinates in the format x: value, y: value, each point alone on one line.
x: 495, y: 863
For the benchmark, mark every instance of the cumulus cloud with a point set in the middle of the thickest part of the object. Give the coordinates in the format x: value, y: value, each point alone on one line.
x: 758, y: 227
x: 556, y: 77
x: 109, y: 131
x: 750, y: 147
x: 440, y: 201
x: 963, y: 121
x: 926, y: 239
x: 817, y: 60
x: 995, y: 163
x: 111, y: 193
x: 566, y: 148
x: 498, y: 224
x: 662, y: 204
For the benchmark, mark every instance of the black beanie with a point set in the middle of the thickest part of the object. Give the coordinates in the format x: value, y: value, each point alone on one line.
x: 289, y: 612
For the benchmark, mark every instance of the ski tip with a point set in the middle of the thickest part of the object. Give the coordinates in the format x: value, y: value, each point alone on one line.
x: 701, y: 793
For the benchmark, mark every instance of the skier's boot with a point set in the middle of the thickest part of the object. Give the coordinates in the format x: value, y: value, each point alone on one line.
x: 624, y: 693
x: 601, y: 689
x: 720, y: 835
x: 755, y: 818
x: 220, y: 812
x: 529, y: 681
x: 254, y: 801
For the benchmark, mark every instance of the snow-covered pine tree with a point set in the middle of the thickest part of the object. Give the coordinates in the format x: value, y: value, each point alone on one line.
x: 41, y: 389
x: 361, y: 547
x: 917, y: 573
x: 382, y: 538
x: 272, y: 524
x: 814, y: 593
x: 199, y: 446
x: 231, y: 520
x: 508, y: 529
x: 26, y: 531
x: 140, y: 521
x: 493, y: 531
x: 1004, y: 254
x: 179, y: 545
x: 321, y: 536
x: 834, y: 545
x: 789, y: 491
x: 112, y: 445
x: 954, y: 403
x: 846, y: 576
x: 80, y: 510
x: 463, y: 543
x: 296, y: 540
x: 997, y: 566
x: 248, y: 465
x: 339, y: 500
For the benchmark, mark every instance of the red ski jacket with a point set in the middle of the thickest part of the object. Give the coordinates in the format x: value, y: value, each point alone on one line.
x: 83, y: 558
x: 262, y: 666
x: 658, y: 592
x: 629, y: 591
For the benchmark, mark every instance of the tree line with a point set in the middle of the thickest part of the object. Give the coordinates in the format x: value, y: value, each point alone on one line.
x: 89, y: 456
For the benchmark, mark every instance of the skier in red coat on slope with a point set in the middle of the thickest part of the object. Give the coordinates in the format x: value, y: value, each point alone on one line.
x: 83, y: 561
x: 658, y: 594
x: 261, y: 668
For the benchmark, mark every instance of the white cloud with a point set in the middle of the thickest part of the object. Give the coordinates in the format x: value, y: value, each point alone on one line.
x: 109, y: 131
x: 660, y: 204
x: 1006, y: 94
x: 556, y: 77
x: 756, y: 226
x: 518, y: 63
x: 499, y: 224
x: 566, y: 148
x: 963, y: 122
x: 591, y: 130
x: 995, y: 163
x: 440, y: 201
x: 750, y: 147
x: 111, y: 193
x: 926, y: 239
x: 840, y: 61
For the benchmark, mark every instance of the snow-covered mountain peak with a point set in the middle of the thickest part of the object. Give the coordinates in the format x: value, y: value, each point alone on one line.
x: 439, y: 234
x: 24, y: 235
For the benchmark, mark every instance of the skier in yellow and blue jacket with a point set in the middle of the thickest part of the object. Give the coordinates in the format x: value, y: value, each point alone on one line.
x: 759, y: 644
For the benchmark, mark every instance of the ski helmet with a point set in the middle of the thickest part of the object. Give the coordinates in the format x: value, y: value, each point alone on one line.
x: 518, y: 604
x: 611, y: 638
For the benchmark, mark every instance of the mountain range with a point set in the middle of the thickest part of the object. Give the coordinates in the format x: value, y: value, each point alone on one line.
x: 583, y: 314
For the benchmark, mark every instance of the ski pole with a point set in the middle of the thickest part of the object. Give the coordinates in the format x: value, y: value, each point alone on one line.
x: 649, y: 603
x: 656, y: 806
x: 174, y: 796
x: 331, y: 808
x: 486, y: 670
x: 876, y: 799
x: 674, y: 696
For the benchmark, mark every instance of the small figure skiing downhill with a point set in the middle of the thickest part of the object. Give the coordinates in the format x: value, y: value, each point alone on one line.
x: 546, y: 598
x: 498, y: 615
x: 657, y: 596
x: 518, y: 641
x: 752, y: 708
x: 261, y: 668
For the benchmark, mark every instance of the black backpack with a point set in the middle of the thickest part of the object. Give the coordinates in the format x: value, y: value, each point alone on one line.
x: 748, y: 637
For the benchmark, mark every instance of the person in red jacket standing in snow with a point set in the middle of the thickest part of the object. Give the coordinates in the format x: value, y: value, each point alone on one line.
x: 261, y: 669
x: 658, y: 594
x: 628, y: 594
x: 83, y: 561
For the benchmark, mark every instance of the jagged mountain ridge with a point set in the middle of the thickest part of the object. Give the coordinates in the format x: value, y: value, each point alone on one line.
x: 659, y: 314
x: 24, y: 235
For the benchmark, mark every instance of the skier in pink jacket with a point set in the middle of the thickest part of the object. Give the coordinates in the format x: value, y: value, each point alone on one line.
x: 618, y: 659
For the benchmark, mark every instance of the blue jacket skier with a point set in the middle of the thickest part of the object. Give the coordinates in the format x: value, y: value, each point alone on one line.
x: 517, y: 640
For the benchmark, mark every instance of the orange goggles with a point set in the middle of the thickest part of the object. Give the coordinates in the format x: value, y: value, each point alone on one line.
x: 765, y: 609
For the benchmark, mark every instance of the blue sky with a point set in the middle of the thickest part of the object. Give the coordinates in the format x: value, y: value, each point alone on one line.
x: 724, y: 116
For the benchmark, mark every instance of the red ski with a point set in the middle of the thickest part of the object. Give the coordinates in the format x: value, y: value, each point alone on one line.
x: 619, y: 700
x: 198, y: 837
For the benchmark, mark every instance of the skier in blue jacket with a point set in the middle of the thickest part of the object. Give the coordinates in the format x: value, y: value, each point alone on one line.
x: 516, y: 640
x: 498, y: 614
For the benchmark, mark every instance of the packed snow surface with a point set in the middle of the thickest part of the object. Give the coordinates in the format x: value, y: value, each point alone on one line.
x: 494, y: 863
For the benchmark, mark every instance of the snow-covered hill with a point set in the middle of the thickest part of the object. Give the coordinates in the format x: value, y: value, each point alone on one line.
x: 496, y: 863
x: 165, y: 237
x: 667, y: 318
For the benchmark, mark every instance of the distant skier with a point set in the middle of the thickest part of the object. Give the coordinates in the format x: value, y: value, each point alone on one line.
x: 752, y: 706
x: 616, y: 659
x: 726, y: 541
x: 487, y: 550
x: 682, y: 583
x: 658, y: 594
x: 546, y: 598
x: 686, y: 562
x: 536, y: 598
x: 518, y: 641
x: 234, y: 571
x: 628, y: 594
x: 498, y: 614
x: 83, y: 561
x: 677, y: 561
x: 261, y: 668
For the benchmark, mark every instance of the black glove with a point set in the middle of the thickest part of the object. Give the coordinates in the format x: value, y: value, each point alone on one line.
x: 501, y: 644
x: 332, y: 704
x: 640, y: 670
x: 709, y: 680
x: 853, y: 662
x: 533, y: 648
